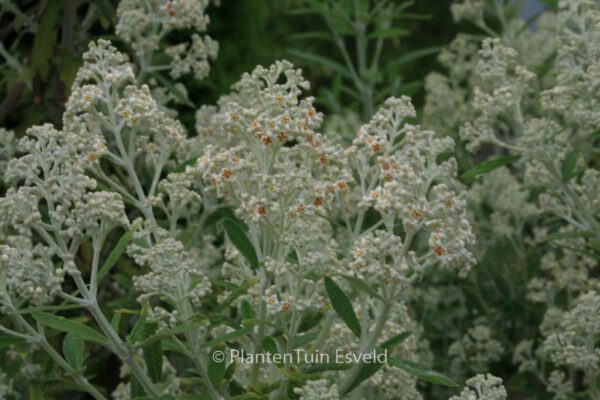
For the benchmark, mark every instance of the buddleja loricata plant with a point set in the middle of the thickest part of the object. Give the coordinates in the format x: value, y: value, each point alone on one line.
x: 285, y: 182
x: 531, y: 97
x: 148, y: 28
x: 319, y: 246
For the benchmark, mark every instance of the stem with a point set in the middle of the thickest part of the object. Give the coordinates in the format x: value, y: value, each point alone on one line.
x: 291, y: 336
x: 198, y: 355
x: 580, y: 210
x: 123, y: 351
x: 254, y: 373
x: 38, y: 337
x: 369, y: 345
x: 77, y: 376
x: 386, y: 306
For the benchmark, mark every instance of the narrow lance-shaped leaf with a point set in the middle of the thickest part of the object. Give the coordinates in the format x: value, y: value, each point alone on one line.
x: 324, y: 61
x: 216, y: 370
x: 179, y: 95
x: 416, y: 54
x: 568, y: 165
x: 362, y: 286
x: 45, y: 38
x: 421, y: 372
x: 246, y: 310
x: 74, y: 349
x: 488, y: 166
x: 239, y: 239
x: 73, y: 327
x: 227, y: 337
x: 365, y: 372
x: 115, y: 254
x: 395, y: 340
x: 342, y: 306
x: 389, y: 33
x: 185, y: 327
x: 153, y: 354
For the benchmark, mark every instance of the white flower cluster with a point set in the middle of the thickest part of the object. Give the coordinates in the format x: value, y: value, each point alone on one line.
x: 469, y: 9
x: 533, y: 93
x: 27, y: 274
x: 173, y: 274
x: 116, y: 118
x: 475, y: 350
x: 145, y: 24
x: 52, y: 172
x: 6, y: 386
x: 543, y: 118
x: 508, y: 199
x: 574, y: 343
x: 400, y: 177
x: 319, y: 389
x: 265, y: 157
x: 569, y: 272
x: 277, y: 171
x: 482, y: 387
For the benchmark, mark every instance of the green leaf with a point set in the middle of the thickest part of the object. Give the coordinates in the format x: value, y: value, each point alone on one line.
x: 70, y: 326
x: 45, y: 38
x: 389, y: 33
x: 488, y: 166
x: 181, y: 167
x: 115, y: 322
x: 239, y: 239
x: 61, y: 307
x: 181, y: 97
x: 185, y: 327
x: 74, y: 350
x: 567, y: 235
x: 311, y: 36
x: 246, y: 310
x: 395, y: 340
x: 35, y: 392
x: 248, y: 396
x: 153, y: 354
x: 594, y: 245
x: 7, y: 341
x: 310, y: 319
x: 269, y: 344
x: 334, y: 66
x: 136, y: 390
x: 568, y: 165
x: 361, y: 286
x: 68, y: 70
x: 216, y: 371
x: 421, y: 372
x: 302, y: 340
x: 170, y: 344
x: 342, y: 306
x: 416, y: 54
x: 410, y: 88
x: 227, y: 337
x: 323, y: 367
x: 365, y: 372
x: 136, y: 332
x: 115, y: 254
x: 240, y: 290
